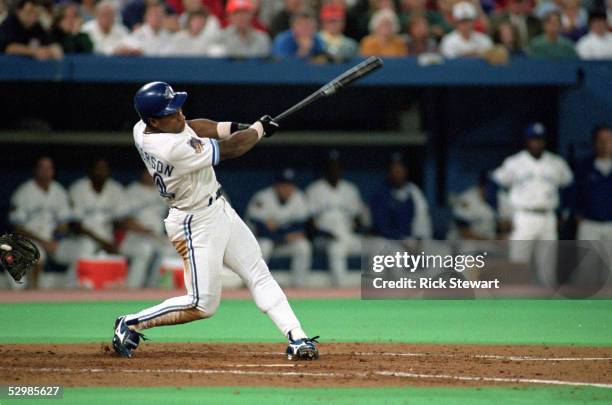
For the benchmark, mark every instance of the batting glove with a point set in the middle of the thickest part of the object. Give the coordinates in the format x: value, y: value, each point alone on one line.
x: 269, y: 125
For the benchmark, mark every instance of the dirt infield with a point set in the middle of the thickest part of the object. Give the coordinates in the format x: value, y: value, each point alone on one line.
x: 340, y: 365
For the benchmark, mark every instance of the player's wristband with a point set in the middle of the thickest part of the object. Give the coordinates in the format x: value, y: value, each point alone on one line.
x: 258, y: 127
x: 226, y: 129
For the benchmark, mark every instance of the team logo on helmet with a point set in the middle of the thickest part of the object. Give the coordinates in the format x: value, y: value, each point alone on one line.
x: 196, y: 144
x: 169, y: 93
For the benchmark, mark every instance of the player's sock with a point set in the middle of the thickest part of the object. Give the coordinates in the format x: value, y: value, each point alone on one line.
x: 163, y: 314
x: 296, y: 333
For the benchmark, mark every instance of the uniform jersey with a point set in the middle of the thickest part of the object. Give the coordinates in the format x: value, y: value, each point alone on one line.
x: 146, y: 207
x: 265, y: 205
x: 98, y: 211
x: 533, y: 183
x: 334, y: 208
x: 39, y: 211
x: 181, y: 165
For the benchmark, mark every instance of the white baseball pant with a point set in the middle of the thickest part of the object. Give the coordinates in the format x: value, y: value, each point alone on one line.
x: 207, y: 240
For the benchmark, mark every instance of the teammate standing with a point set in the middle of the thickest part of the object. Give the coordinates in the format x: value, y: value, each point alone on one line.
x: 203, y: 227
x: 534, y: 177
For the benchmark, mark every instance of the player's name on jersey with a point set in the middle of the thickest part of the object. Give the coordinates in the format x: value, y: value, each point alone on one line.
x: 433, y: 283
x: 155, y: 163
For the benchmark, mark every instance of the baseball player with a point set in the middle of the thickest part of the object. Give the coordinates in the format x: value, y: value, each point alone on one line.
x: 534, y: 177
x: 278, y: 214
x: 40, y: 211
x: 399, y: 209
x: 100, y: 203
x: 338, y: 210
x: 203, y: 227
x: 594, y: 189
x: 149, y: 211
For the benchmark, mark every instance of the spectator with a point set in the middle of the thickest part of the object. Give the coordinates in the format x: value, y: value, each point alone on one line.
x: 193, y: 6
x: 195, y: 39
x: 40, y: 211
x: 362, y: 21
x: 22, y: 34
x: 100, y: 205
x: 132, y: 13
x: 419, y: 39
x: 399, y: 209
x: 171, y: 21
x: 278, y: 214
x: 66, y: 29
x: 240, y: 39
x: 507, y: 36
x: 282, y: 20
x: 551, y: 44
x: 464, y: 41
x: 516, y: 13
x: 106, y: 33
x: 594, y: 189
x: 534, y: 177
x: 151, y: 38
x: 338, y: 212
x: 301, y: 41
x: 337, y: 46
x: 210, y: 7
x: 438, y: 27
x: 574, y: 19
x: 383, y: 40
x: 597, y: 44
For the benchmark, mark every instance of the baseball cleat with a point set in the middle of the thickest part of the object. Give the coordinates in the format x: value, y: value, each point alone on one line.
x: 125, y: 340
x: 303, y: 349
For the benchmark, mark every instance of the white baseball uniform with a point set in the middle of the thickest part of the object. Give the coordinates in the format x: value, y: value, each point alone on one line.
x: 534, y: 195
x: 41, y: 212
x: 334, y: 210
x: 149, y: 211
x: 266, y: 206
x: 97, y: 212
x: 206, y: 232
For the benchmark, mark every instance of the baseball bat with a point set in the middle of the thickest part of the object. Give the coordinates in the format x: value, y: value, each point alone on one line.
x: 356, y: 72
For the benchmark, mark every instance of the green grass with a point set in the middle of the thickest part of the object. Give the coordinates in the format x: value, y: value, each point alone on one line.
x: 563, y: 322
x: 368, y: 396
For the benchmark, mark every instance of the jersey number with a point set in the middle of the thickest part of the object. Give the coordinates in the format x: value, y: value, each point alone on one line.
x: 161, y: 186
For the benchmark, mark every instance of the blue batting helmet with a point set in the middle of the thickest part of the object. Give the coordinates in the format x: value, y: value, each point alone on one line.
x: 535, y: 130
x: 157, y: 99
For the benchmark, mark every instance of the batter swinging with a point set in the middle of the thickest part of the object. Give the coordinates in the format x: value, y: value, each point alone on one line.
x: 201, y: 224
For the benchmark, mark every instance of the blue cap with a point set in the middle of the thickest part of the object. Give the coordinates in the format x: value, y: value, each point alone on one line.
x: 286, y: 176
x: 535, y: 130
x: 157, y: 99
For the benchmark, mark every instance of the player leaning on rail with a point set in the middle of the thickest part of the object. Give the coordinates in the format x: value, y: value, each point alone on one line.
x: 201, y: 224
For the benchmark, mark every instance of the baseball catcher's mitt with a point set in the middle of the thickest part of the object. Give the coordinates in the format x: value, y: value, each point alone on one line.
x: 17, y: 255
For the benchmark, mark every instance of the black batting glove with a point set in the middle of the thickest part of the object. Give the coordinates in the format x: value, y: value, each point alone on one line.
x: 270, y: 126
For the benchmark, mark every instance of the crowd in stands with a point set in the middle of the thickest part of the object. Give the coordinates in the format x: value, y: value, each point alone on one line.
x: 98, y: 214
x: 318, y: 30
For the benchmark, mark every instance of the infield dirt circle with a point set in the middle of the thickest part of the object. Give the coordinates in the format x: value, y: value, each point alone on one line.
x: 340, y: 365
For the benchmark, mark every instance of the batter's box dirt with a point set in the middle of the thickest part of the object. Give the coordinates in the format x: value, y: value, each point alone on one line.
x: 340, y: 365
